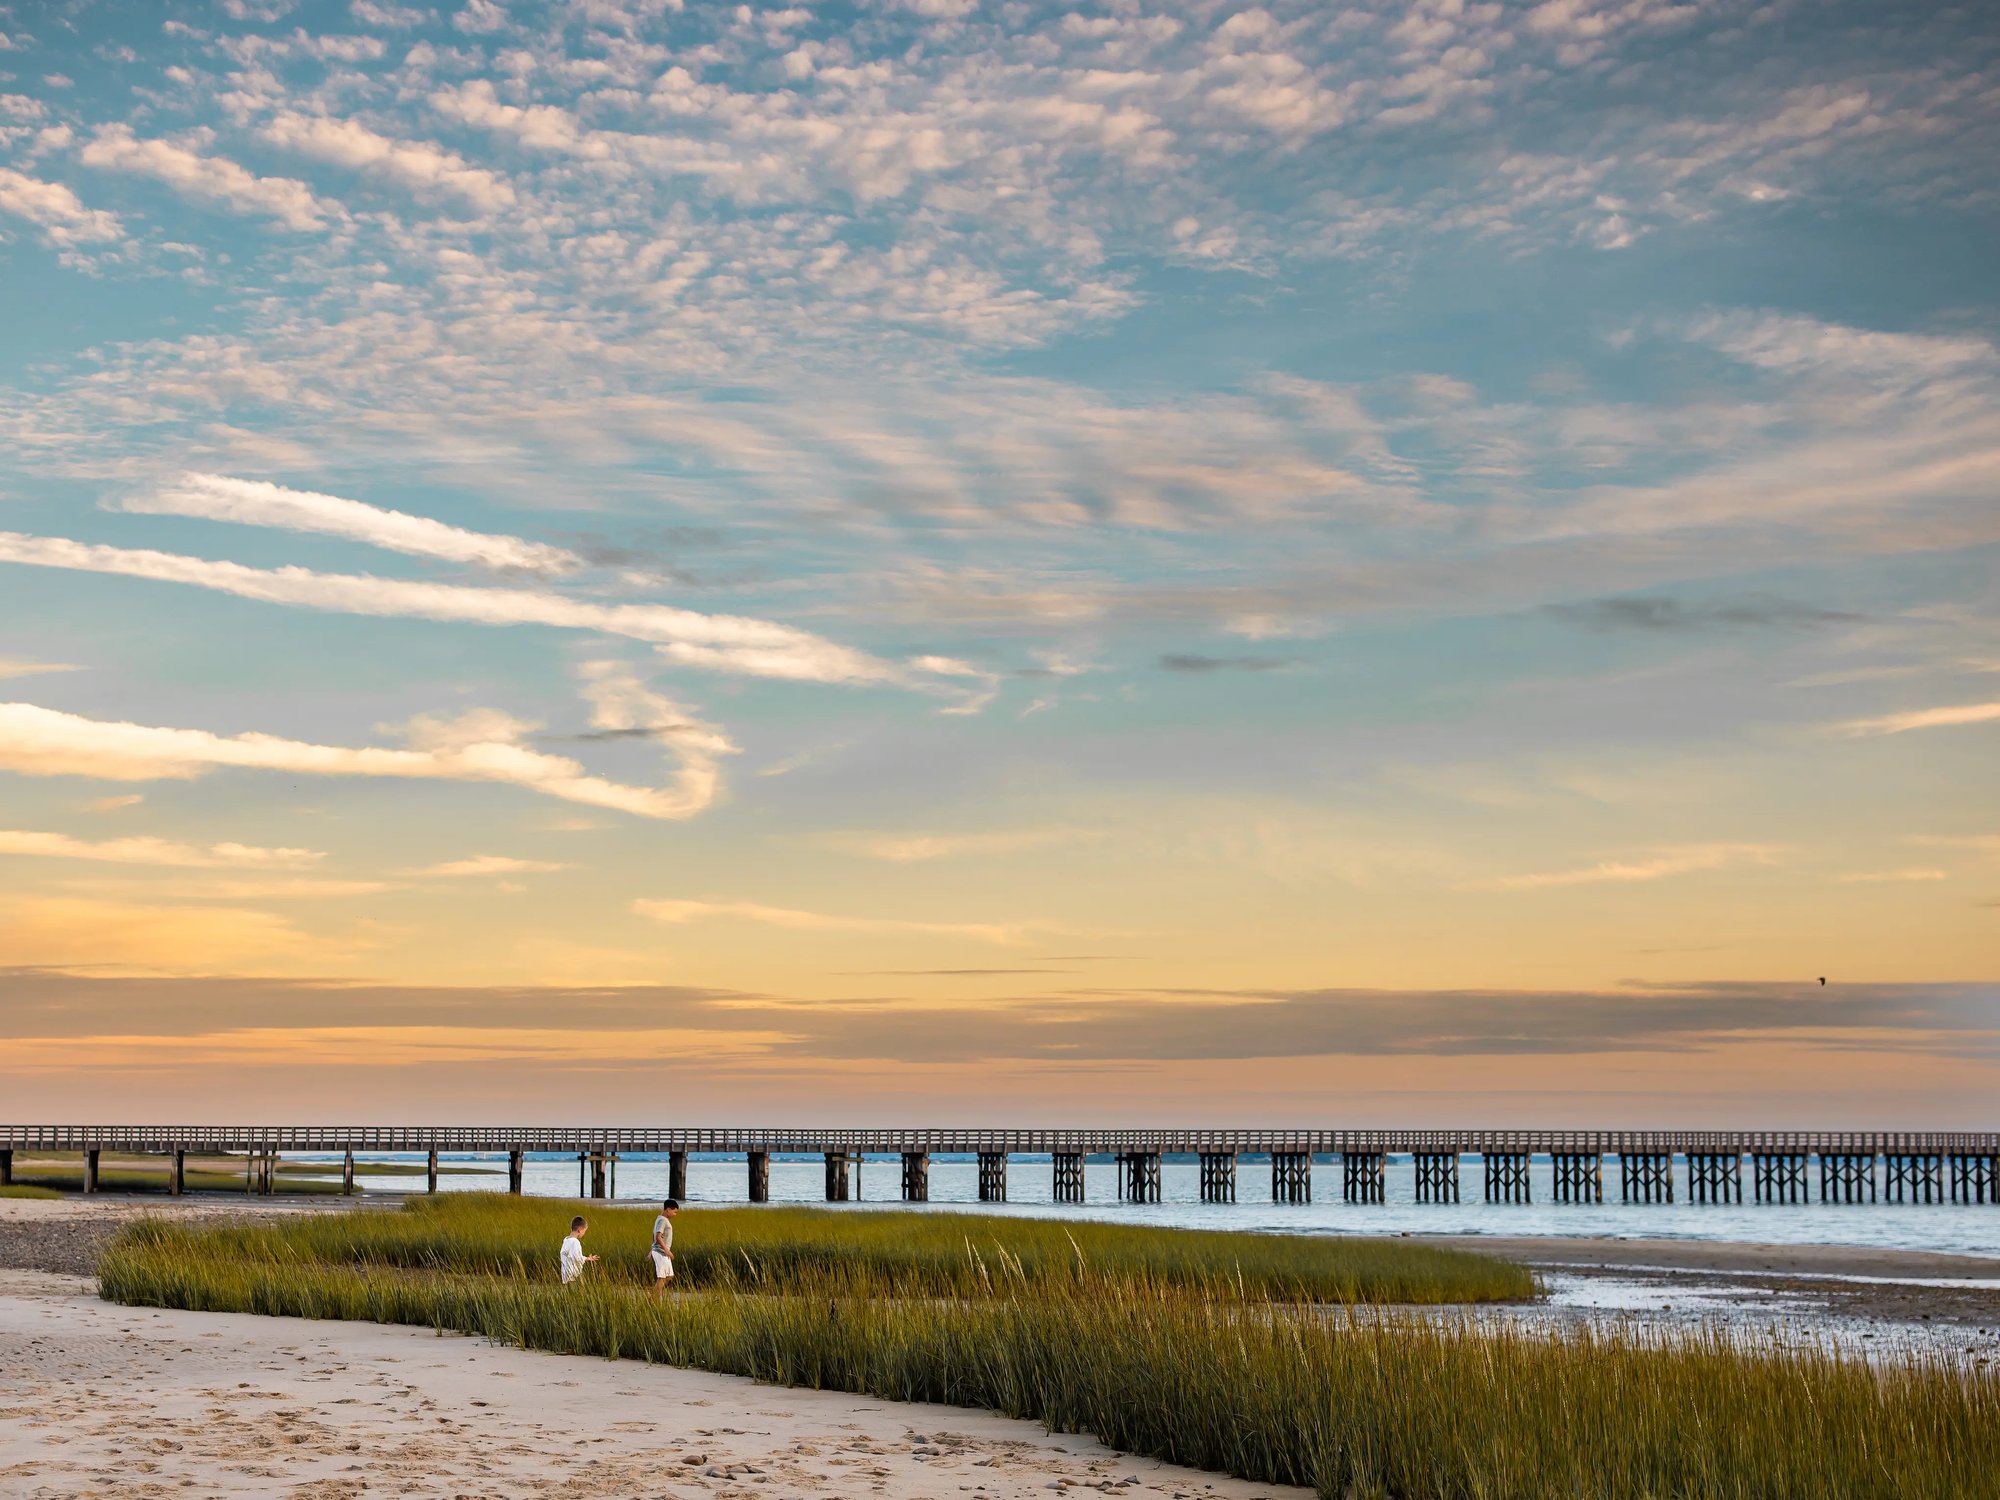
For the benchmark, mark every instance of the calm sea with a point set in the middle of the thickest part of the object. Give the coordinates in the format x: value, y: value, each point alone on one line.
x: 1963, y: 1229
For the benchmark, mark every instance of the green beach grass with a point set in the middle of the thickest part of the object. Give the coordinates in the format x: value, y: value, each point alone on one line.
x: 1196, y: 1369
x: 866, y: 1252
x: 27, y: 1190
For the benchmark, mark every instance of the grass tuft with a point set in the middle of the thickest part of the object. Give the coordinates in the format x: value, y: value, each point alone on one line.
x: 27, y: 1190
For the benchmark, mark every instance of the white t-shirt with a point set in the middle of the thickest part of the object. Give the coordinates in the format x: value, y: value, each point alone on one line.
x: 663, y: 1234
x: 572, y: 1258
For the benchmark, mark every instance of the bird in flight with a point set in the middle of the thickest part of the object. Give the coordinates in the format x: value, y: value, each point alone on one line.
x: 1822, y: 981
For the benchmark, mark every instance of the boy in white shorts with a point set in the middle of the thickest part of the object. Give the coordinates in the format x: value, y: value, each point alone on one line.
x: 663, y: 1246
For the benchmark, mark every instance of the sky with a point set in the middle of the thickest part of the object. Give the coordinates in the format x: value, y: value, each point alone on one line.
x: 975, y: 561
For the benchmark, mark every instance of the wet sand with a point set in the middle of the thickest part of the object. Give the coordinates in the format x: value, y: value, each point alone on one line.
x: 1855, y: 1288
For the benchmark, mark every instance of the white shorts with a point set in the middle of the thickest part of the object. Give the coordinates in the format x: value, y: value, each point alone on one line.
x: 663, y: 1267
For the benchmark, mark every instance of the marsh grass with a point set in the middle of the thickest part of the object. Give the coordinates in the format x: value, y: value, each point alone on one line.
x: 27, y: 1190
x: 1351, y: 1402
x: 927, y: 1254
x: 149, y: 1175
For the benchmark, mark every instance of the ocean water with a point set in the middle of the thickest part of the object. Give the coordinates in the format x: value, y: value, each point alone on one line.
x: 1967, y: 1229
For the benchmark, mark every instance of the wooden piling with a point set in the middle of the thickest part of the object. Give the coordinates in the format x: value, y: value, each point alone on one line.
x: 1917, y: 1176
x: 431, y: 1170
x: 677, y: 1175
x: 1436, y: 1176
x: 1291, y: 1177
x: 1219, y: 1177
x: 91, y: 1156
x: 6, y: 1166
x: 1363, y: 1177
x: 1780, y: 1176
x: 517, y: 1171
x: 838, y: 1186
x: 1578, y: 1176
x: 993, y: 1177
x: 1846, y: 1177
x: 916, y: 1177
x: 1506, y: 1175
x: 1715, y: 1176
x: 1645, y: 1177
x: 177, y: 1173
x: 760, y: 1176
x: 1139, y: 1177
x: 1068, y: 1176
x: 1974, y: 1179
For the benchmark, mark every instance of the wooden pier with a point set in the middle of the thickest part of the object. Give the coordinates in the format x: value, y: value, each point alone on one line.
x: 1852, y: 1167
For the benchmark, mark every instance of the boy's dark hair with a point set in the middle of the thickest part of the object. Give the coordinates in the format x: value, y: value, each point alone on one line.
x: 671, y: 1203
x: 577, y: 1223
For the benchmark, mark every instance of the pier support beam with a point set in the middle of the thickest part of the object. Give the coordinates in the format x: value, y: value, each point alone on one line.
x: 1715, y: 1177
x: 177, y: 1173
x: 1920, y: 1176
x: 1218, y: 1176
x: 1780, y: 1177
x: 431, y: 1171
x: 517, y: 1171
x: 90, y: 1160
x: 1579, y: 1176
x: 1139, y: 1177
x: 993, y: 1177
x: 1506, y: 1176
x: 1975, y: 1179
x: 760, y: 1176
x: 1363, y: 1176
x: 1846, y: 1177
x: 916, y: 1177
x: 839, y: 1184
x: 1291, y: 1177
x: 1437, y: 1176
x: 347, y: 1173
x: 1069, y: 1176
x: 6, y: 1166
x: 1645, y: 1177
x: 677, y: 1175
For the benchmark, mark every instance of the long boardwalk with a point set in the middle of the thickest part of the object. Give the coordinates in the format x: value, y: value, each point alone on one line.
x: 1783, y: 1166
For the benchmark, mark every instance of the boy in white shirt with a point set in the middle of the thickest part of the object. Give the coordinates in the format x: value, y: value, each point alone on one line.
x: 663, y: 1246
x: 573, y: 1258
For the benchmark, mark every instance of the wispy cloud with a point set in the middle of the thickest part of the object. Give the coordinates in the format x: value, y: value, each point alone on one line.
x: 730, y: 644
x: 1194, y: 663
x: 155, y: 851
x: 1892, y: 877
x: 1924, y: 718
x: 1683, y: 860
x: 1670, y: 616
x: 492, y: 864
x: 480, y: 746
x: 683, y: 911
x: 16, y: 668
x: 909, y: 848
x: 254, y: 502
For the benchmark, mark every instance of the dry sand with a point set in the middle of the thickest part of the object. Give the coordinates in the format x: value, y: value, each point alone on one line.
x: 97, y: 1399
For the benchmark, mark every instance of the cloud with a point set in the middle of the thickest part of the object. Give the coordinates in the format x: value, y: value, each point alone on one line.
x: 1673, y: 616
x: 908, y: 848
x: 681, y: 911
x: 254, y: 502
x: 1892, y: 877
x: 154, y: 851
x: 1924, y: 718
x: 208, y: 179
x: 13, y: 667
x: 160, y: 936
x: 114, y: 804
x: 1684, y: 860
x: 1189, y: 663
x: 492, y: 864
x: 1098, y: 1027
x: 480, y: 746
x: 717, y: 643
x: 425, y: 168
x: 57, y: 211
